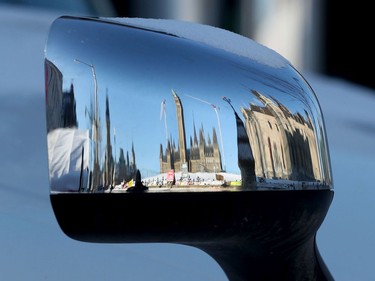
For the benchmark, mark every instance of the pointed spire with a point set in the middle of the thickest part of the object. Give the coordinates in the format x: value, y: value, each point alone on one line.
x: 195, y: 135
x: 121, y: 157
x: 133, y: 154
x: 214, y: 136
x: 201, y: 136
x: 107, y: 107
x: 169, y: 145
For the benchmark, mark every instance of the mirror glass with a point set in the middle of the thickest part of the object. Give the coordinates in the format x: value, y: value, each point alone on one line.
x: 131, y: 109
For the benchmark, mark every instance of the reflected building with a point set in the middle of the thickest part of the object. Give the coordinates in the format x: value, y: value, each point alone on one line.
x: 126, y: 167
x: 68, y: 146
x: 202, y: 156
x: 61, y: 113
x: 61, y: 106
x: 53, y: 102
x: 284, y: 143
x: 69, y: 115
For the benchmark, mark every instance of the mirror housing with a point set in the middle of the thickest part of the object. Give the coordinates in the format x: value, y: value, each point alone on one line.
x: 183, y: 133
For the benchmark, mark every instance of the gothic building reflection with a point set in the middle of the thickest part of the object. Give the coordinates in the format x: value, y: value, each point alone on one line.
x: 126, y: 166
x: 273, y: 143
x: 284, y: 143
x: 203, y: 155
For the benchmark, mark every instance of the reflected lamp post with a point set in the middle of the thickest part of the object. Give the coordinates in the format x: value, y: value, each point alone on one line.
x: 95, y: 125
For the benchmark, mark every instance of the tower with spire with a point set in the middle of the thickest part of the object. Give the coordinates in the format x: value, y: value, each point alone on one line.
x: 109, y: 163
x: 203, y: 154
x: 181, y: 132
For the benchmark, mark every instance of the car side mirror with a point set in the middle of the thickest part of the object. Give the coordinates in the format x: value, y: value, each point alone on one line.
x: 165, y: 131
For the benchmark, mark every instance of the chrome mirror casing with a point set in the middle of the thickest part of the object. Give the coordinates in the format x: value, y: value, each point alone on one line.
x: 154, y: 136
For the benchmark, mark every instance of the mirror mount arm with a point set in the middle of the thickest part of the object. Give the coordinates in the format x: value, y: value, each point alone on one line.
x: 245, y: 261
x: 290, y: 253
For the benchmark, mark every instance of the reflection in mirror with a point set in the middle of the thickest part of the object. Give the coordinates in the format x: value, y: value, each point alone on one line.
x: 148, y: 111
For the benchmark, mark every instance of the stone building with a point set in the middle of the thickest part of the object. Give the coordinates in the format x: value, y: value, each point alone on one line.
x: 284, y: 143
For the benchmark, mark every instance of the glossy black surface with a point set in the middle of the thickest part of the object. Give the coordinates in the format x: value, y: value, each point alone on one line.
x: 262, y: 235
